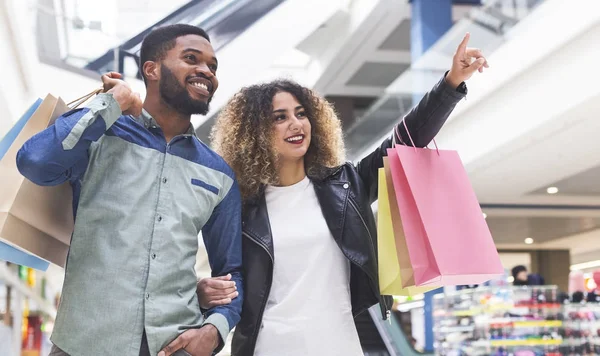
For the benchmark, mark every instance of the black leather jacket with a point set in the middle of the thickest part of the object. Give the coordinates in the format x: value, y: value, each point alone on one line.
x: 345, y: 194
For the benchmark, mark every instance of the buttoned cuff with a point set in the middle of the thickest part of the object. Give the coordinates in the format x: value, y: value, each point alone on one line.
x: 220, y: 322
x: 103, y: 105
x: 106, y: 105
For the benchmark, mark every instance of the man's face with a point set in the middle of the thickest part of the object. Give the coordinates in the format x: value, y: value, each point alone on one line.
x: 188, y: 75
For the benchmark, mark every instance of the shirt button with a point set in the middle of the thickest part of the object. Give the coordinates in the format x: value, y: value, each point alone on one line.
x: 346, y: 185
x: 153, y: 256
x: 147, y: 295
x: 159, y: 218
x: 164, y: 180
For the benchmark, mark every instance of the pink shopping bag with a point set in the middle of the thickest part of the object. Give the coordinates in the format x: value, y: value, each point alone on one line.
x: 448, y: 240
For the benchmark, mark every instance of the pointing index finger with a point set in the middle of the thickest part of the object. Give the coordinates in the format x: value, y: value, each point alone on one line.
x: 462, y: 47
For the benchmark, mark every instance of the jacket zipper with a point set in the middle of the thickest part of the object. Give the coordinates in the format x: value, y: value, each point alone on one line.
x: 364, y: 224
x: 264, y: 304
x: 381, y: 300
x: 259, y: 244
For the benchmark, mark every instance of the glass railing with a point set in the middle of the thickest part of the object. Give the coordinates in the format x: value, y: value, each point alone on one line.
x: 93, y: 37
x: 490, y: 24
x: 392, y: 335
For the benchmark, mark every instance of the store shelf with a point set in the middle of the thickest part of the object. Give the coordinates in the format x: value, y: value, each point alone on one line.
x: 495, y: 320
x: 531, y: 342
x: 12, y: 280
x: 525, y: 324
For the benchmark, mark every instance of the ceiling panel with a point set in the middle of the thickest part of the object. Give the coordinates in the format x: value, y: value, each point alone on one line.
x: 585, y: 183
x: 373, y: 74
x: 514, y: 230
x: 399, y: 38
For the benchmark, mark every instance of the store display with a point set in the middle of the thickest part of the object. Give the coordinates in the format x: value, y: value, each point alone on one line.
x: 515, y: 321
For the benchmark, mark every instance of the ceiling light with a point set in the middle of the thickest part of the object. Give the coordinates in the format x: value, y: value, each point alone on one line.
x: 585, y: 265
x: 529, y: 240
x: 552, y: 190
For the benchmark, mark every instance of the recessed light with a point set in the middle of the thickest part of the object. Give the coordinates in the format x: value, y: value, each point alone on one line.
x: 529, y: 240
x: 552, y: 190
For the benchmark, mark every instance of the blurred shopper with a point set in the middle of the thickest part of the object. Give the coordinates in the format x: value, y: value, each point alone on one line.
x: 519, y: 274
x: 144, y: 188
x: 309, y: 234
x: 522, y: 278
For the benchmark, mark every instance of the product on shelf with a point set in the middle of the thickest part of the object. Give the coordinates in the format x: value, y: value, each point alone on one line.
x: 516, y: 321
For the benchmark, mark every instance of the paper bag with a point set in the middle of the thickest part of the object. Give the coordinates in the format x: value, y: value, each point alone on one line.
x: 36, y: 219
x: 448, y: 240
x: 390, y: 278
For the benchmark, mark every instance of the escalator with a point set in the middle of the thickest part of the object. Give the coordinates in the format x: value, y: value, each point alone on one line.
x: 390, y: 333
x: 223, y: 20
x: 490, y: 23
x: 370, y: 338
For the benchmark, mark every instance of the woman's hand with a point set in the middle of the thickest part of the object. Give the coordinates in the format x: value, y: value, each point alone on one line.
x: 465, y: 63
x: 213, y: 292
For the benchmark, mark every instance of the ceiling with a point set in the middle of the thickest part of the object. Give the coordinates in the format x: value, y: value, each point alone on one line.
x: 586, y: 183
x: 515, y: 229
x: 522, y: 130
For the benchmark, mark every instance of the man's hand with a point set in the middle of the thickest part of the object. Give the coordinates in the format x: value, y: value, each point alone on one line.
x: 465, y: 63
x: 216, y: 291
x: 196, y: 342
x: 130, y: 102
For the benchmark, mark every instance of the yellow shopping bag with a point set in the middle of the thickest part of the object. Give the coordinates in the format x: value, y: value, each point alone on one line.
x: 390, y: 278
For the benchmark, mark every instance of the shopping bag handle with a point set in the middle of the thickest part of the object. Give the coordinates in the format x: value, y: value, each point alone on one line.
x: 397, y: 135
x: 77, y: 102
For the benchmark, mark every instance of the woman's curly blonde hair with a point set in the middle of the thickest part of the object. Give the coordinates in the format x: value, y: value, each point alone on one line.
x: 243, y: 131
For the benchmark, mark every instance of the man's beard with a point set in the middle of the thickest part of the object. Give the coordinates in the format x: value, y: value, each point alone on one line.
x: 177, y: 96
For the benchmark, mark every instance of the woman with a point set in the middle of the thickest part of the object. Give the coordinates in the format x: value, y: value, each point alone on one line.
x: 309, y: 245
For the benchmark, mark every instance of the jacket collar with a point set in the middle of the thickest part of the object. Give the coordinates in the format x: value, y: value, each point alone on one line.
x: 327, y: 182
x: 256, y: 222
x: 149, y: 122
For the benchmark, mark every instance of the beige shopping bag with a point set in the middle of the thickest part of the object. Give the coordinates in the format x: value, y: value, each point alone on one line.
x: 390, y: 277
x: 36, y: 219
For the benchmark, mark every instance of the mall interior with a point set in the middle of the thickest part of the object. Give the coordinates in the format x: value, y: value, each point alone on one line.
x: 527, y: 135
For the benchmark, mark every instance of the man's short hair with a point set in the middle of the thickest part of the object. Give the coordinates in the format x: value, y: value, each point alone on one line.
x: 160, y: 40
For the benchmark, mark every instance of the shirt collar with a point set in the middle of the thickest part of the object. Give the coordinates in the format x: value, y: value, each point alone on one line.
x: 148, y: 121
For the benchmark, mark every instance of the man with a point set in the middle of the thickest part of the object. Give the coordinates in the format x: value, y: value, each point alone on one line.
x: 144, y: 187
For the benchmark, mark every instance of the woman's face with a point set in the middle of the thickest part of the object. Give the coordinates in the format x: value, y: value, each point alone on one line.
x: 291, y: 127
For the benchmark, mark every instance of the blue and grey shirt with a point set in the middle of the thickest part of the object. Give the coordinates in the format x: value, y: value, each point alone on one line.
x: 140, y: 204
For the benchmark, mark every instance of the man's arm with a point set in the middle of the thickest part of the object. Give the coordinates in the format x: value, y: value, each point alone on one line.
x: 60, y: 152
x: 223, y: 241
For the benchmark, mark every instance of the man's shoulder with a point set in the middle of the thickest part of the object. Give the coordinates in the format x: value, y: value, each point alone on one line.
x: 208, y: 157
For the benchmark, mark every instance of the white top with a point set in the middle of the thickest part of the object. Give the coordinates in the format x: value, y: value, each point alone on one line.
x: 309, y: 311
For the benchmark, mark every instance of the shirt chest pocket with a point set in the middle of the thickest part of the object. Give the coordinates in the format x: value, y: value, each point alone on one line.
x: 194, y: 201
x: 204, y: 196
x: 197, y: 183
